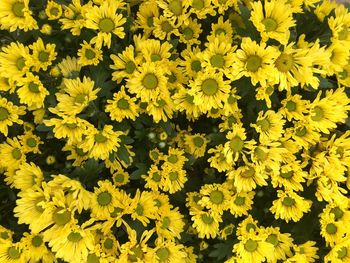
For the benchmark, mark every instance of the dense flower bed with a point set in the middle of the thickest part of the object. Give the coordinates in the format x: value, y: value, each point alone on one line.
x: 174, y: 131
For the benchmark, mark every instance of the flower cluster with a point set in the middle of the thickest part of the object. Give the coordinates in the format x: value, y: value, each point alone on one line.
x: 174, y: 131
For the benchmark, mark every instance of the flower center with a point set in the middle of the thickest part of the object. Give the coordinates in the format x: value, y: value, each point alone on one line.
x: 198, y: 141
x: 16, y: 153
x: 116, y: 212
x: 210, y: 87
x: 288, y: 201
x: 207, y: 219
x: 38, y: 207
x: 61, y: 218
x: 123, y: 104
x: 4, y: 235
x: 119, y: 178
x: 150, y: 81
x: 250, y: 245
x: 248, y: 173
x: 342, y: 253
x: 196, y: 65
x: 108, y: 244
x: 90, y: 54
x: 20, y: 63
x: 338, y: 213
x: 264, y: 124
x: 172, y: 158
x: 74, y: 237
x: 43, y: 56
x: 104, y: 199
x: 136, y: 252
x: 54, y: 11
x: 100, y: 138
x: 318, y: 114
x: 155, y: 57
x: 92, y: 258
x: 253, y: 63
x: 331, y: 229
x: 173, y: 176
x: 156, y: 177
x: 31, y: 142
x: 3, y: 113
x: 106, y: 25
x: 216, y: 197
x: 343, y: 34
x: 236, y: 144
x: 272, y: 239
x: 217, y: 60
x: 166, y: 222
x: 284, y: 62
x: 139, y: 209
x: 163, y: 254
x: 198, y: 4
x: 260, y: 154
x: 13, y: 253
x: 17, y: 9
x: 130, y: 67
x: 291, y: 105
x: 301, y: 131
x: 270, y: 24
x: 240, y: 200
x: 33, y: 87
x: 71, y: 125
x: 150, y: 21
x: 80, y: 98
x: 176, y: 7
x: 166, y: 26
x: 188, y: 33
x: 287, y: 175
x: 220, y: 31
x: 37, y: 241
x: 250, y: 226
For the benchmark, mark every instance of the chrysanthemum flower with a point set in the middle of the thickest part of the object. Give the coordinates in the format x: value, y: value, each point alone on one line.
x: 15, y: 14
x: 175, y: 10
x: 143, y: 208
x: 206, y: 223
x: 332, y: 231
x: 340, y: 253
x: 53, y: 10
x: 170, y: 224
x: 241, y: 203
x: 308, y: 249
x: 106, y: 20
x: 215, y: 197
x: 43, y: 55
x: 35, y: 248
x: 273, y: 19
x: 168, y: 251
x: 196, y: 144
x: 173, y: 178
x: 69, y: 67
x: 12, y: 252
x: 189, y: 33
x: 290, y: 206
x: 89, y: 54
x: 282, y: 243
x: 11, y: 153
x: 27, y: 176
x: 9, y: 114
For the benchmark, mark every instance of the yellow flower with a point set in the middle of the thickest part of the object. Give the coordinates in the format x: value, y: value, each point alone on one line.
x: 36, y: 249
x: 218, y: 160
x: 30, y: 142
x: 202, y: 8
x: 253, y: 248
x: 294, y: 107
x: 241, y: 203
x: 215, y: 198
x: 290, y: 206
x: 173, y: 178
x: 106, y: 20
x: 77, y: 154
x: 145, y: 16
x: 153, y: 178
x: 248, y: 226
x: 170, y: 224
x: 256, y: 61
x: 222, y: 30
x: 209, y: 90
x: 16, y: 14
x: 189, y: 33
x: 101, y: 143
x: 120, y: 177
x: 69, y: 67
x: 273, y: 20
x: 53, y: 10
x: 76, y: 95
x: 148, y: 83
x: 332, y: 231
x: 27, y: 176
x: 184, y: 103
x: 340, y: 253
x: 14, y: 61
x: 282, y: 243
x: 196, y: 144
x: 191, y: 61
x: 9, y: 115
x: 142, y: 207
x: 12, y: 252
x: 162, y: 109
x: 154, y: 51
x: 175, y: 10
x: 89, y: 54
x: 307, y: 249
x: 269, y: 125
x: 206, y: 223
x: 43, y: 55
x: 12, y: 154
x: 290, y: 176
x: 32, y: 92
x: 168, y: 251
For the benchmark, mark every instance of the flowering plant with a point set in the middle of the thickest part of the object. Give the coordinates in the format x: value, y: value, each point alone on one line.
x: 174, y: 131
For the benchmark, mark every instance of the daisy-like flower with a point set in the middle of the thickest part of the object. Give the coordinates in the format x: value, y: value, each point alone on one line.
x: 294, y: 107
x: 12, y: 154
x: 215, y: 197
x: 12, y: 252
x: 122, y: 106
x: 269, y: 125
x: 9, y: 114
x: 247, y: 226
x: 332, y: 231
x: 142, y: 207
x: 89, y: 54
x: 340, y: 253
x: 290, y: 176
x: 154, y: 51
x: 206, y: 223
x: 27, y: 176
x: 145, y: 16
x: 14, y: 61
x: 15, y: 14
x: 196, y: 144
x: 273, y: 19
x: 282, y: 243
x: 35, y: 248
x: 256, y: 61
x: 209, y: 90
x: 173, y: 179
x: 307, y: 249
x: 43, y: 55
x: 170, y: 223
x: 100, y: 143
x: 53, y: 10
x: 184, y: 103
x: 153, y: 178
x: 290, y: 206
x: 241, y: 203
x: 168, y: 251
x: 148, y: 83
x: 69, y: 67
x: 253, y: 248
x: 189, y: 33
x: 175, y: 10
x: 76, y: 95
x: 202, y: 8
x: 30, y: 142
x: 32, y: 92
x: 107, y: 21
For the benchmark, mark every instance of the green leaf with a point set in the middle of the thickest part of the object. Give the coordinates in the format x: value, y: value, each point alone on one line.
x: 123, y: 154
x: 43, y: 128
x: 221, y: 250
x: 141, y: 169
